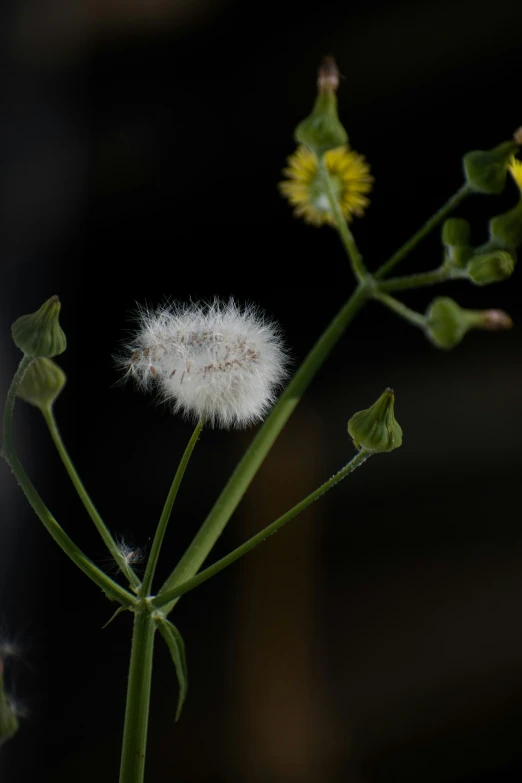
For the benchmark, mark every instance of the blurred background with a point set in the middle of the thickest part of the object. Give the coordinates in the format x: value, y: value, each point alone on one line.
x: 378, y: 638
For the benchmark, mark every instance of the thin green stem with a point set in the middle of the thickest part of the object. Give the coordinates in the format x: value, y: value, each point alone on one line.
x: 430, y: 224
x: 417, y: 319
x: 420, y: 280
x: 238, y: 483
x: 7, y: 444
x: 167, y: 509
x: 170, y: 595
x: 108, y: 540
x: 108, y: 585
x: 132, y: 768
x: 347, y: 238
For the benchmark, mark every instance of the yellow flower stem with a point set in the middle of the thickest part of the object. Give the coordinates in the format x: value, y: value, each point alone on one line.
x: 420, y: 280
x: 170, y: 595
x: 430, y: 224
x: 413, y: 317
x: 108, y: 540
x: 347, y: 238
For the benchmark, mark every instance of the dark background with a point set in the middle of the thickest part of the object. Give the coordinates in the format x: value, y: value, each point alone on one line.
x: 377, y: 638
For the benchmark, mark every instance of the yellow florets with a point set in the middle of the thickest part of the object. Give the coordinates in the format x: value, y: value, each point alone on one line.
x: 515, y: 170
x: 350, y: 176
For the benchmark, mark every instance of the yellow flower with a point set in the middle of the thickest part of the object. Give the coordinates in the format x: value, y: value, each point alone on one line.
x: 515, y: 169
x: 351, y: 179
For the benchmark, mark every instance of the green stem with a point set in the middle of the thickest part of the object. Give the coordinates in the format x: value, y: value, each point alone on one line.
x: 430, y: 224
x: 417, y: 319
x: 7, y: 445
x: 169, y: 595
x: 346, y: 235
x: 167, y: 509
x: 420, y: 280
x: 132, y: 766
x: 108, y: 585
x: 108, y: 540
x: 238, y: 483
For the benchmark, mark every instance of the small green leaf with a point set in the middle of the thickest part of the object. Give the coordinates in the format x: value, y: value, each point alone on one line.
x: 176, y: 646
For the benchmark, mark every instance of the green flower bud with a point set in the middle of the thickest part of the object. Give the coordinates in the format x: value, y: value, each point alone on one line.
x: 8, y: 719
x: 507, y: 228
x: 447, y: 323
x: 42, y: 383
x: 491, y: 267
x: 322, y: 130
x: 376, y: 429
x: 39, y: 334
x: 455, y: 238
x: 486, y: 170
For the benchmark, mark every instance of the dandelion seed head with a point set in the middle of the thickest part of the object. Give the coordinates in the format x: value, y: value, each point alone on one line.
x: 216, y: 360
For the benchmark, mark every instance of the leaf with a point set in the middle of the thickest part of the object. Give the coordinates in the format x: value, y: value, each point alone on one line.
x: 176, y: 646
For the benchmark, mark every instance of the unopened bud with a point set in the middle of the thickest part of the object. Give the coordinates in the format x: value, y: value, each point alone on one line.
x: 517, y: 136
x: 322, y: 130
x: 8, y: 719
x: 376, y: 428
x: 447, y: 323
x: 486, y: 170
x: 507, y: 228
x: 42, y: 383
x: 39, y: 334
x: 491, y: 267
x: 455, y: 238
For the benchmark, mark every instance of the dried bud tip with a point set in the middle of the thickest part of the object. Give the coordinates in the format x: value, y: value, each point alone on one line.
x: 517, y: 136
x: 328, y: 76
x: 496, y: 320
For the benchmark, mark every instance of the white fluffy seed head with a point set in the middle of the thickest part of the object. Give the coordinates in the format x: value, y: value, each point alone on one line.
x: 217, y: 361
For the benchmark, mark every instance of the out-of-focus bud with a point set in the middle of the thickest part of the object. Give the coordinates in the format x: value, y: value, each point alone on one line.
x: 8, y: 719
x: 40, y: 334
x: 376, y: 429
x: 447, y: 323
x: 42, y: 383
x: 486, y: 170
x: 491, y: 267
x: 455, y: 238
x: 322, y: 130
x: 506, y: 229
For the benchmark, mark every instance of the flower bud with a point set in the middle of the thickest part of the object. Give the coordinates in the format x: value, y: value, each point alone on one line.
x: 507, y: 228
x: 8, y: 719
x: 39, y: 334
x: 455, y: 238
x: 42, y: 383
x: 322, y: 130
x: 486, y: 170
x: 489, y: 268
x: 376, y: 429
x: 447, y: 323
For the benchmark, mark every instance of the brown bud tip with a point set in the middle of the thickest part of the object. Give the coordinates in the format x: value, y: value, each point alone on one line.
x: 495, y: 320
x: 517, y: 136
x: 328, y: 77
